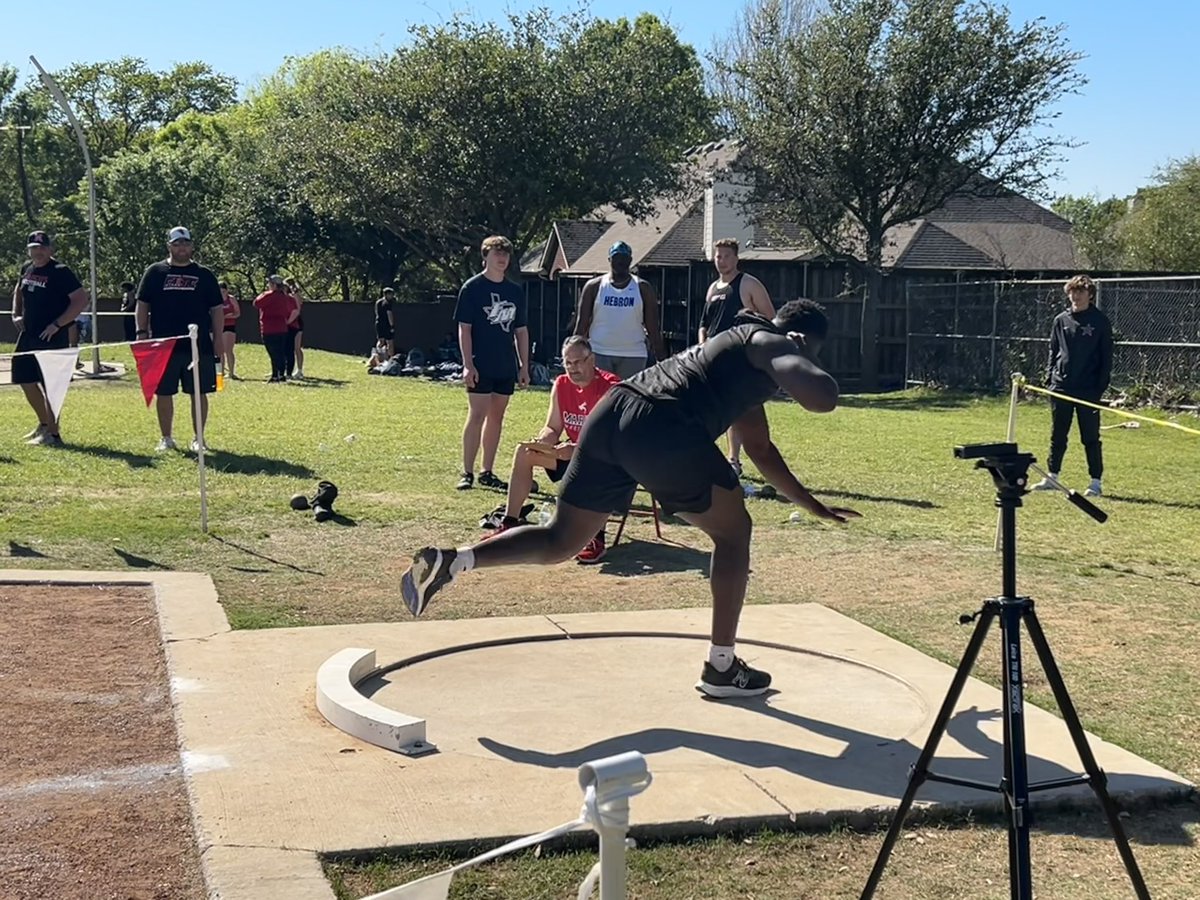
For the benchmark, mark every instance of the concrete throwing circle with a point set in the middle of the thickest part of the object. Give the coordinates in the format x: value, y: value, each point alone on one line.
x: 563, y: 701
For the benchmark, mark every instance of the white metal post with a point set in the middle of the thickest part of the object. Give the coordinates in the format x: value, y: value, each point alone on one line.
x: 60, y: 98
x: 197, y: 397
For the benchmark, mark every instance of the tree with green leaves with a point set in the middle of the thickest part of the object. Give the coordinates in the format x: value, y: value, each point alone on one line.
x: 472, y: 129
x: 1162, y: 233
x: 1097, y: 226
x: 877, y: 111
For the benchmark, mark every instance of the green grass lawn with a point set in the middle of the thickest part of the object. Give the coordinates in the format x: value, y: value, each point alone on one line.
x: 1120, y: 601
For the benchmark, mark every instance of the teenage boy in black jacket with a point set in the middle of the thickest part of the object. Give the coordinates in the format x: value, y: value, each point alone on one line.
x: 1081, y: 347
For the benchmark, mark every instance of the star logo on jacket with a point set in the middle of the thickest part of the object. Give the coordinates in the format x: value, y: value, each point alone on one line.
x: 1087, y: 330
x: 501, y: 312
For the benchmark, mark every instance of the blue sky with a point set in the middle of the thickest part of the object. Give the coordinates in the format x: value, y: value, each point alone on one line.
x: 1140, y: 109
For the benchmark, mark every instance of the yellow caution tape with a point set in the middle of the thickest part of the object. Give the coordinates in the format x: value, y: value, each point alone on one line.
x: 1116, y: 412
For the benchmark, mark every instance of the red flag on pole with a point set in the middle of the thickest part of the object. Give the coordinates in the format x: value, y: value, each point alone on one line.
x: 152, y: 358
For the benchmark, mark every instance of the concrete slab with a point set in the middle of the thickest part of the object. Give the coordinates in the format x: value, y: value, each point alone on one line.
x: 516, y: 704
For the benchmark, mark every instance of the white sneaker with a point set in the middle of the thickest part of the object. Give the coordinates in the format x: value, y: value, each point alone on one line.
x: 194, y: 446
x: 165, y: 444
x: 1093, y: 489
x: 300, y: 374
x: 1049, y: 483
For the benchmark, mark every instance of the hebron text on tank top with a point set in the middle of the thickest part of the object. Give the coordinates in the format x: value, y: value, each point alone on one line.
x: 711, y: 384
x: 617, y: 320
x: 722, y: 307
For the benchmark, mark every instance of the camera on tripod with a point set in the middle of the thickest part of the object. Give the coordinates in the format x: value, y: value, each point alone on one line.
x: 980, y: 451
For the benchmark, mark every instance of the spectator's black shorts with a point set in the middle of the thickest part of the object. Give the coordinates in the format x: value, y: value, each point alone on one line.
x: 231, y: 329
x: 298, y: 325
x: 25, y: 369
x: 485, y: 385
x: 384, y: 332
x: 629, y: 440
x: 558, y: 472
x: 178, y: 375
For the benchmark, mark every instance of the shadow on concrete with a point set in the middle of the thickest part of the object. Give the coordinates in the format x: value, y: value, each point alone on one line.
x: 869, y: 762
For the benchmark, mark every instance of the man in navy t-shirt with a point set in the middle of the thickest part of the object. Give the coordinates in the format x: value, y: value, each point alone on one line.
x: 492, y: 333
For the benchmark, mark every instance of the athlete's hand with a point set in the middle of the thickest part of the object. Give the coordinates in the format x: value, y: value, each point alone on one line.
x: 49, y: 331
x: 523, y: 376
x: 18, y: 323
x: 470, y: 376
x: 832, y: 513
x: 565, y: 451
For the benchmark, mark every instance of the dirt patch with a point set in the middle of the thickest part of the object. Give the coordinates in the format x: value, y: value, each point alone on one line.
x: 92, y: 794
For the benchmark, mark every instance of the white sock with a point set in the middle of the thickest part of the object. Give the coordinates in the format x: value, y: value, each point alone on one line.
x: 464, y: 561
x: 720, y: 658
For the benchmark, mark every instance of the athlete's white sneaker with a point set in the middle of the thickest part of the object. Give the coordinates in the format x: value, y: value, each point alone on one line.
x: 1049, y: 483
x: 1093, y: 489
x: 165, y: 444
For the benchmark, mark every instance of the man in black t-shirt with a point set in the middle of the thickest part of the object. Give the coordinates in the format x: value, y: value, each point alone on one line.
x: 659, y: 429
x: 385, y: 321
x: 172, y: 295
x: 492, y: 332
x: 46, y: 300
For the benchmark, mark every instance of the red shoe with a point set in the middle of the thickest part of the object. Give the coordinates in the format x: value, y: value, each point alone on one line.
x: 593, y: 552
x: 498, y: 530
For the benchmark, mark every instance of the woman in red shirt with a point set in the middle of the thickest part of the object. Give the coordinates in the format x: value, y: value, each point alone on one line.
x: 275, y: 313
x: 297, y: 331
x: 232, y: 310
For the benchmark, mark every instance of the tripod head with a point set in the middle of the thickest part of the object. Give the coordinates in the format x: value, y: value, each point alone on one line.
x: 1009, y: 468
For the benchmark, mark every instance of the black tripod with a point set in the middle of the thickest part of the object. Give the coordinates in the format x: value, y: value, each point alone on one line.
x: 1009, y: 469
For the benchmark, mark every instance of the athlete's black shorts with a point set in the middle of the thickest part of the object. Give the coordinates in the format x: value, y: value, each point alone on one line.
x: 384, y: 332
x: 231, y: 329
x: 25, y: 369
x: 559, y: 472
x: 177, y: 374
x: 486, y: 385
x: 630, y: 440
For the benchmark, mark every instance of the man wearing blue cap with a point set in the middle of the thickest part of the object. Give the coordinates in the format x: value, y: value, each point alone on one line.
x: 618, y: 314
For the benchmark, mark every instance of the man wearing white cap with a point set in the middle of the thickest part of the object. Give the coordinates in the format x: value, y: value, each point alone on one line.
x: 172, y: 295
x: 46, y: 300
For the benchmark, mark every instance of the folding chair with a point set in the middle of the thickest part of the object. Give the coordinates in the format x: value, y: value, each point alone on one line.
x: 642, y: 513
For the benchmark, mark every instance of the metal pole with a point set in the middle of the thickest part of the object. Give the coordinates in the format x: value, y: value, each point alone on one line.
x: 60, y: 98
x: 194, y: 337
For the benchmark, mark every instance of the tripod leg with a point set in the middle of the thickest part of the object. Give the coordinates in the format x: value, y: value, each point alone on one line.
x: 921, y: 768
x: 1016, y: 767
x: 1098, y: 780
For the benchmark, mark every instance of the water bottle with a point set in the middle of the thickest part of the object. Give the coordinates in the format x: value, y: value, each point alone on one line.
x: 220, y: 375
x: 545, y: 514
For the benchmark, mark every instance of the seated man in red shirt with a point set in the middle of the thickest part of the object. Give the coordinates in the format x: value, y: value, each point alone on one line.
x: 572, y: 397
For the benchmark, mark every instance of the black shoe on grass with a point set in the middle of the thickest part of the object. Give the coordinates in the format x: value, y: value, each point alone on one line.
x: 465, y: 482
x: 488, y: 479
x: 739, y: 680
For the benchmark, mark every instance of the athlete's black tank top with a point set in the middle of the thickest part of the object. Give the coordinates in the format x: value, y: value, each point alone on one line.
x: 711, y: 384
x: 722, y: 308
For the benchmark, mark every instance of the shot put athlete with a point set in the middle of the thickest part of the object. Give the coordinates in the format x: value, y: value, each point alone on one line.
x: 658, y: 429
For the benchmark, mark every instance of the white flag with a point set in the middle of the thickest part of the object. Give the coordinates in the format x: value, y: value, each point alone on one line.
x: 57, y: 368
x: 432, y: 887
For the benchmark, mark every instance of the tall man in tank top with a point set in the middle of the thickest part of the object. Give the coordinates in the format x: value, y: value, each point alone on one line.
x: 732, y: 292
x: 659, y: 429
x: 618, y: 314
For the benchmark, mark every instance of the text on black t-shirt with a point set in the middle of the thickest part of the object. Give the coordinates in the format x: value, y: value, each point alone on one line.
x: 494, y: 310
x: 46, y: 292
x: 180, y: 296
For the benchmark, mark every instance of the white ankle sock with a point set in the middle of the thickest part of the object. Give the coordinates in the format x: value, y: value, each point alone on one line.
x: 720, y: 658
x: 464, y: 561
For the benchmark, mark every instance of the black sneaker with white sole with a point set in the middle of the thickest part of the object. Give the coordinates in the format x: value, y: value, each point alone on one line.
x: 488, y: 479
x: 739, y: 680
x: 429, y: 573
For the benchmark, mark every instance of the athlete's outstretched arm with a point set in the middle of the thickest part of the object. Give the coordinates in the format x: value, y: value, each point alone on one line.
x: 803, y: 380
x: 756, y: 441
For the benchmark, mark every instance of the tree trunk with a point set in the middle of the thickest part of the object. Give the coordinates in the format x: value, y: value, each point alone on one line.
x: 872, y: 289
x: 23, y: 177
x: 344, y: 281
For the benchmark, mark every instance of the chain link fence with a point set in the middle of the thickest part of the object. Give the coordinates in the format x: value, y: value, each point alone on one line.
x: 974, y: 335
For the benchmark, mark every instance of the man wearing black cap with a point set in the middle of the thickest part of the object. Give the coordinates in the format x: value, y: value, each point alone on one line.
x: 618, y: 313
x: 46, y: 300
x: 172, y: 295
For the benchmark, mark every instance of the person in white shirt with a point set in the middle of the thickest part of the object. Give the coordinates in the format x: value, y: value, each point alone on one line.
x: 618, y: 314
